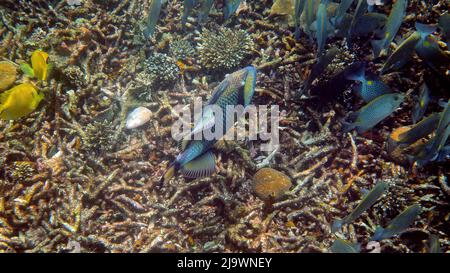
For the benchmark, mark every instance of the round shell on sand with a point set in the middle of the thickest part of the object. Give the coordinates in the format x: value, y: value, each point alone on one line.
x: 270, y: 184
x: 138, y: 117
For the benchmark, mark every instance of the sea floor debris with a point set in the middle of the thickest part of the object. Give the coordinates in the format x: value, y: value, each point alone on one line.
x: 75, y: 178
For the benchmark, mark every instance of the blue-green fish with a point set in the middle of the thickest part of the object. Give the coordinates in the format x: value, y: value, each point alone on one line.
x: 422, y: 129
x: 369, y: 199
x: 422, y: 103
x: 398, y: 224
x: 444, y: 24
x: 152, y: 19
x: 321, y: 26
x: 196, y: 159
x: 204, y: 10
x: 393, y: 24
x: 435, y: 145
x: 344, y: 5
x: 230, y: 8
x: 369, y: 89
x: 298, y: 10
x: 433, y: 244
x: 369, y: 23
x: 406, y: 49
x: 188, y: 6
x: 359, y: 12
x: 430, y: 52
x: 343, y: 246
x: 374, y: 112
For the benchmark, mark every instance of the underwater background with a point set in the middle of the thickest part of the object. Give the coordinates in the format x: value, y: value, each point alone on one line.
x: 87, y: 96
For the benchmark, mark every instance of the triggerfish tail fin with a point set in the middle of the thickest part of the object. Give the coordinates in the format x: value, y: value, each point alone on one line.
x: 202, y: 166
x: 358, y: 74
x: 425, y: 30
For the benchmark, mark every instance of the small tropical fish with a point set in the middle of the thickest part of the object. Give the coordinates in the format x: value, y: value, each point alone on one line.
x: 196, y: 159
x: 19, y: 101
x: 138, y: 117
x: 433, y: 244
x: 343, y: 246
x: 369, y: 23
x: 321, y: 26
x: 341, y: 11
x: 204, y: 10
x: 422, y: 129
x: 319, y: 67
x: 398, y: 224
x: 421, y: 105
x: 374, y: 112
x: 406, y: 49
x: 444, y: 24
x: 153, y: 17
x: 434, y: 146
x: 359, y: 12
x: 39, y: 64
x: 429, y: 51
x: 230, y: 8
x: 369, y: 199
x: 369, y: 89
x: 391, y: 28
x: 188, y: 6
x: 298, y: 10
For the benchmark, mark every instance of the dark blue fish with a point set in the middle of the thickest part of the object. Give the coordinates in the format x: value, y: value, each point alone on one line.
x: 422, y: 129
x: 343, y: 246
x: 368, y: 200
x: 429, y: 51
x: 374, y: 112
x: 152, y: 19
x: 309, y: 16
x: 196, y: 159
x: 398, y: 224
x: 359, y: 12
x: 369, y: 23
x: 422, y: 103
x: 298, y: 10
x: 320, y: 66
x: 230, y: 8
x: 393, y: 24
x: 340, y: 13
x: 369, y: 89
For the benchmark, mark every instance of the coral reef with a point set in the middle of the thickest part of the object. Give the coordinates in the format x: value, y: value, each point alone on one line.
x: 162, y: 69
x: 224, y: 49
x: 182, y: 50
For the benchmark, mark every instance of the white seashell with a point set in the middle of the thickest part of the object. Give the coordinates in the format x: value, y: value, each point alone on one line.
x: 138, y: 117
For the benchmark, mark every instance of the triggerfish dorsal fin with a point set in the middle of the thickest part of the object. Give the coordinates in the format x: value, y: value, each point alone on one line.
x: 202, y: 166
x: 425, y: 30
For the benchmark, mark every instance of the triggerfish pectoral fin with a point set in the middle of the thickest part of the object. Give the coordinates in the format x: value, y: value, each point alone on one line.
x: 250, y: 83
x: 202, y: 166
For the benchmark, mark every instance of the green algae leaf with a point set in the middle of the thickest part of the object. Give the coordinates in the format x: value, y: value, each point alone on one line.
x: 27, y: 70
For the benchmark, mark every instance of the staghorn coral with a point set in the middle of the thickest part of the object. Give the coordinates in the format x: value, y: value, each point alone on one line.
x: 162, y: 69
x: 181, y: 50
x: 224, y: 49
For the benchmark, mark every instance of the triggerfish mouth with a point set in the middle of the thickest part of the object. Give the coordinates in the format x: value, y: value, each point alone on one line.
x: 196, y: 159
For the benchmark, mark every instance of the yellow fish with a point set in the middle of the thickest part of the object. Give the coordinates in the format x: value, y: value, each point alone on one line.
x: 19, y: 101
x: 39, y: 64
